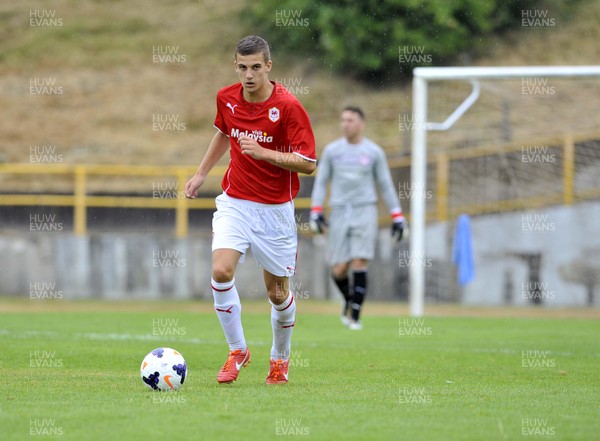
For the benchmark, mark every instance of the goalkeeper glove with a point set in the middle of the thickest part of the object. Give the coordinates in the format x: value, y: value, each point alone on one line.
x: 399, y: 227
x: 317, y: 221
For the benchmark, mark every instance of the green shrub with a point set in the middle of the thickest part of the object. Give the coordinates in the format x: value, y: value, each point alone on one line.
x: 379, y: 40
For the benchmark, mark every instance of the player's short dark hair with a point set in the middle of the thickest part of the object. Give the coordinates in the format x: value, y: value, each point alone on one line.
x: 253, y: 44
x: 356, y: 110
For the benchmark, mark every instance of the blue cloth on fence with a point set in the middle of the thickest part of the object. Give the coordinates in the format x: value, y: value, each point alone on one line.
x: 462, y: 250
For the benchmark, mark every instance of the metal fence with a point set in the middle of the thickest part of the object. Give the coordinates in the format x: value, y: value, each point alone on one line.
x: 475, y: 181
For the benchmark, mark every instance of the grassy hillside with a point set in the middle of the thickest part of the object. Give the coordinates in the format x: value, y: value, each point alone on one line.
x: 102, y: 57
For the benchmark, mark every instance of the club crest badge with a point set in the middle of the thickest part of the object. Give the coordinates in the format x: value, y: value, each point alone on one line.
x: 274, y: 114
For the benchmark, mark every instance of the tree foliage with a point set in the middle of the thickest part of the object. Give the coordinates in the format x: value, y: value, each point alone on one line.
x: 378, y: 40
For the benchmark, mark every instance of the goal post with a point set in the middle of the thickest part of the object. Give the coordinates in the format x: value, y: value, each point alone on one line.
x: 422, y: 76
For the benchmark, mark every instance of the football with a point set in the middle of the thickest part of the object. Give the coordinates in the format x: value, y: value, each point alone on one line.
x: 163, y: 369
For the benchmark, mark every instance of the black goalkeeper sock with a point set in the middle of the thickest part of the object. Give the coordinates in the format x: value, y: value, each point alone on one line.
x: 359, y: 292
x: 343, y: 285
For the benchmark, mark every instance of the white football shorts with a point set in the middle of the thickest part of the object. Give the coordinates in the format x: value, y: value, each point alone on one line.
x: 268, y: 230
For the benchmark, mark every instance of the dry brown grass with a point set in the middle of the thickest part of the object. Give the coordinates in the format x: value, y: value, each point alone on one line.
x: 102, y: 57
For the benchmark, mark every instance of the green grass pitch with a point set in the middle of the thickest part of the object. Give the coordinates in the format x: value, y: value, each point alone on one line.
x: 74, y: 375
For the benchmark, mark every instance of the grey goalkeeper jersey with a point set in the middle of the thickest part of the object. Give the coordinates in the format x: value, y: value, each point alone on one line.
x: 353, y: 170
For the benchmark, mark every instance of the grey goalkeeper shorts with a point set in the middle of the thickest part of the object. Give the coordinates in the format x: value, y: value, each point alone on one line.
x: 352, y: 233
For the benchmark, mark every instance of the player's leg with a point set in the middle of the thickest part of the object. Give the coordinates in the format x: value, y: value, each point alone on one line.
x: 283, y: 314
x: 275, y: 246
x: 226, y: 298
x: 362, y: 239
x: 339, y: 274
x: 229, y: 311
x: 338, y: 254
x: 229, y: 245
x: 359, y: 268
x: 283, y: 317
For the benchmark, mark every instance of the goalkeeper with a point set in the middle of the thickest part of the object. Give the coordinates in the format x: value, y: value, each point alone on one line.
x: 353, y: 164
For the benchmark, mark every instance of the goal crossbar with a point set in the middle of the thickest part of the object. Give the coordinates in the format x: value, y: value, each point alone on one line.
x: 421, y: 76
x: 465, y: 73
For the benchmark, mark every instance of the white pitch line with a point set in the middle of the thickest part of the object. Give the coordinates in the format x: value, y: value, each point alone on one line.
x: 149, y: 337
x: 115, y: 336
x: 510, y: 351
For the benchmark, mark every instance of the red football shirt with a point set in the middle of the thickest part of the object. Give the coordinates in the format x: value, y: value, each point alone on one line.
x: 280, y: 123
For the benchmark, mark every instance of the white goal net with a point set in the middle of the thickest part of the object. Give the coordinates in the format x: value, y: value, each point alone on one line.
x: 492, y: 141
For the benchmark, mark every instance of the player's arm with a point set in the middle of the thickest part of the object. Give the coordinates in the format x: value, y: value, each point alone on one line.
x: 217, y: 148
x: 388, y: 192
x: 317, y: 218
x: 288, y: 161
x: 301, y: 157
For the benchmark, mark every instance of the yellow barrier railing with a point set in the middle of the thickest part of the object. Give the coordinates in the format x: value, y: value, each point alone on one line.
x: 441, y: 163
x: 80, y: 200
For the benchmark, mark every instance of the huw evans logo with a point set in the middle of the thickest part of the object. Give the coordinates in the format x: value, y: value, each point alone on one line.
x: 167, y: 259
x: 536, y: 18
x: 413, y: 395
x: 44, y: 154
x: 537, y: 427
x: 537, y: 87
x: 257, y: 135
x: 44, y: 222
x: 44, y: 18
x: 291, y: 18
x: 167, y: 122
x: 44, y: 291
x: 167, y: 55
x: 290, y: 426
x: 44, y: 86
x: 413, y: 54
x: 537, y: 359
x: 44, y: 427
x: 44, y: 359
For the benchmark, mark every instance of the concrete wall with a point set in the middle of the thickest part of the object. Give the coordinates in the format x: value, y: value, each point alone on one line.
x: 155, y: 265
x: 128, y: 266
x: 151, y: 266
x: 566, y: 238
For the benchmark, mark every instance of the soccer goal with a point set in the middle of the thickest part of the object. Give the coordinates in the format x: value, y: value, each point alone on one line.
x: 490, y: 140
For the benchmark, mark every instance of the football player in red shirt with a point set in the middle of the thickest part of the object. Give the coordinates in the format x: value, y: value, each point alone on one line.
x: 270, y: 140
